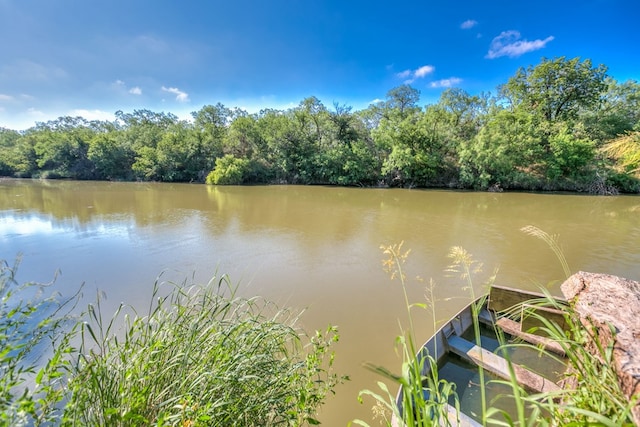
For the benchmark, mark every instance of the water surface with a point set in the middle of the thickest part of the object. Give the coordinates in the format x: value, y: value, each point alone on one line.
x: 312, y: 248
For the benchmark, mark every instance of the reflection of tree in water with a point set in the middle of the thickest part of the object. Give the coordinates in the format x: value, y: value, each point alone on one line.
x: 486, y: 224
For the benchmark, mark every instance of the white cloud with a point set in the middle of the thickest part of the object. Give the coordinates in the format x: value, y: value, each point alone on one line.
x: 121, y: 86
x: 412, y: 75
x: 180, y: 95
x: 451, y: 81
x: 468, y: 24
x: 424, y: 70
x: 508, y: 43
x: 5, y: 98
x: 92, y: 114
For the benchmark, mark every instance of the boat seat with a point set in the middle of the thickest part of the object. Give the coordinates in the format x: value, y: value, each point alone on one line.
x: 499, y: 366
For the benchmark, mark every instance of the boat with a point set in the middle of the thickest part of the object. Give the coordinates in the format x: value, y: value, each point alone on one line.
x: 459, y: 353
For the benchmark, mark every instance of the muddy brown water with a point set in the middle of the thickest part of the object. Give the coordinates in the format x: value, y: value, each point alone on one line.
x: 312, y: 248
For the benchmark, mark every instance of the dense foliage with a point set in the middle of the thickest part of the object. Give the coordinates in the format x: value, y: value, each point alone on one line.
x: 552, y: 126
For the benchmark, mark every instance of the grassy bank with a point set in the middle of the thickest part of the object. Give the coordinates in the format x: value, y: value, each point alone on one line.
x: 198, y: 356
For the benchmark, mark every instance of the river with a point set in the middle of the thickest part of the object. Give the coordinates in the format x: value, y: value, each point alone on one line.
x: 310, y: 247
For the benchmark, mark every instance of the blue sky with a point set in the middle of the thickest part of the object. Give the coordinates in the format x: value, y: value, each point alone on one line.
x: 92, y: 58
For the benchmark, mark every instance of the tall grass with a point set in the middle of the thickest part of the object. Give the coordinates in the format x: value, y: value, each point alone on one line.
x: 200, y: 356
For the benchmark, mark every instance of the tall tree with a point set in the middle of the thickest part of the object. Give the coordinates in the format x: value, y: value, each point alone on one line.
x: 312, y: 117
x: 403, y: 100
x: 556, y: 89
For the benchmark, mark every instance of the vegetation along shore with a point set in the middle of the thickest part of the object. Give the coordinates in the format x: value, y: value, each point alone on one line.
x: 562, y: 124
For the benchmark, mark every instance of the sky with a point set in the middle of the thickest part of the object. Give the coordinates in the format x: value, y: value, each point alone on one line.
x: 91, y: 58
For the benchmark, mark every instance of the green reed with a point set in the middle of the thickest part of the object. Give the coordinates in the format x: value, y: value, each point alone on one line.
x: 199, y: 356
x: 33, y: 321
x: 425, y: 397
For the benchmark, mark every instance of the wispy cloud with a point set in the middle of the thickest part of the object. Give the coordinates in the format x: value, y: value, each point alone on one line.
x: 35, y: 113
x: 17, y: 100
x: 508, y: 43
x: 411, y: 75
x: 468, y: 24
x: 180, y: 95
x: 25, y: 70
x: 122, y: 86
x: 92, y: 114
x: 451, y: 81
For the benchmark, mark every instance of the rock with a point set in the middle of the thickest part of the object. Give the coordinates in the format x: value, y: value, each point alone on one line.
x: 606, y: 302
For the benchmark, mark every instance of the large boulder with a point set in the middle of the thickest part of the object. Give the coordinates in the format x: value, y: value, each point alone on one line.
x: 612, y: 305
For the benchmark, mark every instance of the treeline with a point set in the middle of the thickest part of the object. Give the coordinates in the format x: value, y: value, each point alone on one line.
x: 563, y: 124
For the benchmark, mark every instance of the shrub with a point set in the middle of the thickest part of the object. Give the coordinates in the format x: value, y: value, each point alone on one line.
x: 229, y: 170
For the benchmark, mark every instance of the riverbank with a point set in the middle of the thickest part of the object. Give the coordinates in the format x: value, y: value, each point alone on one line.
x: 549, y: 138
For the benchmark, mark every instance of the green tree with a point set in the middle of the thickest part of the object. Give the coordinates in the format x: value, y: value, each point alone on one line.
x: 402, y: 100
x: 212, y: 122
x: 468, y: 112
x: 505, y: 153
x: 8, y: 155
x: 111, y: 155
x: 290, y: 154
x: 556, y: 89
x: 22, y: 157
x: 61, y: 147
x: 243, y: 138
x: 312, y: 117
x: 618, y: 113
x: 419, y: 149
x: 143, y: 130
x: 348, y: 156
x: 571, y: 154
